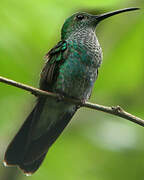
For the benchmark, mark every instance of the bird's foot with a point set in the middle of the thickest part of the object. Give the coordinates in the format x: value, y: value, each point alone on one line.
x: 82, y: 102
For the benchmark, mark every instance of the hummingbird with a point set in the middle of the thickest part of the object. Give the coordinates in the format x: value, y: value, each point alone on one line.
x: 71, y: 69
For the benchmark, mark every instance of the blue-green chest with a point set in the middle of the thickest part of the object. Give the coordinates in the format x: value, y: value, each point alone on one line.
x: 78, y: 72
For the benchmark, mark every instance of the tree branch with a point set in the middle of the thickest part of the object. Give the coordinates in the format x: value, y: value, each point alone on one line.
x: 117, y: 110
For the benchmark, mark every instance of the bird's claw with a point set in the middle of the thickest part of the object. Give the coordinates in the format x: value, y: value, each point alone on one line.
x: 82, y: 102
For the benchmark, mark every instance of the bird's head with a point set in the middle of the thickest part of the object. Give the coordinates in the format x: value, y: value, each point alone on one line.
x: 82, y: 20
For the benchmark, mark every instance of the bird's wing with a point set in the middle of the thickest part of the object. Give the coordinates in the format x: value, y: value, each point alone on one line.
x: 54, y: 58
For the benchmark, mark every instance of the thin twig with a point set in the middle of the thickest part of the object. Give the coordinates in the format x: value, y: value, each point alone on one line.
x: 117, y: 110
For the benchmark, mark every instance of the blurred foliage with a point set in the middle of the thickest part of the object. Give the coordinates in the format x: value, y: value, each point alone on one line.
x: 95, y: 146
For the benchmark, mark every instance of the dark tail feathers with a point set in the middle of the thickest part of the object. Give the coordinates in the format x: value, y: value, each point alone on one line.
x: 28, y: 155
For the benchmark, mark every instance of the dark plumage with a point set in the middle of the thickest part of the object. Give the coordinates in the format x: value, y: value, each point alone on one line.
x: 71, y: 69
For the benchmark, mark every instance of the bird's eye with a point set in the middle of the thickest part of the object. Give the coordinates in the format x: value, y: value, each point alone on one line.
x: 80, y: 17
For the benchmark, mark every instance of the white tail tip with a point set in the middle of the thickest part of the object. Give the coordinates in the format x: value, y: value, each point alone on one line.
x: 5, y: 164
x: 28, y: 174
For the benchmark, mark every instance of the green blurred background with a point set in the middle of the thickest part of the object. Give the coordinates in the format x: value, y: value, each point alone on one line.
x: 95, y: 145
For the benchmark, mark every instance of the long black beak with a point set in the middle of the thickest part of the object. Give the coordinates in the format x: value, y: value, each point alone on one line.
x: 106, y: 15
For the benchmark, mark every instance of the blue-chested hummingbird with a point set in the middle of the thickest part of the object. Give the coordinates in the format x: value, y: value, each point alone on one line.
x: 71, y: 69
